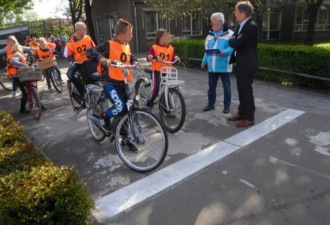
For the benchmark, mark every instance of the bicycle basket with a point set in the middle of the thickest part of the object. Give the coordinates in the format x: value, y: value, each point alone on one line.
x: 29, y: 74
x: 47, y: 63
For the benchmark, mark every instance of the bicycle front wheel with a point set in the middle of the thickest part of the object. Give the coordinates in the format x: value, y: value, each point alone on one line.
x: 141, y: 141
x: 55, y: 79
x: 172, y: 115
x: 35, y: 103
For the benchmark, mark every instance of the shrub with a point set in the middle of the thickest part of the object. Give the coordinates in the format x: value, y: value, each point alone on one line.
x: 298, y: 58
x: 189, y: 49
x: 32, y: 189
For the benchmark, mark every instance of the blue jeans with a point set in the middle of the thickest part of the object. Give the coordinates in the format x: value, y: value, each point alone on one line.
x: 115, y: 94
x: 213, y: 82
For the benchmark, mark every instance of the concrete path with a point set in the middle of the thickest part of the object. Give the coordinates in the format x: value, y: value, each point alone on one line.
x: 276, y: 172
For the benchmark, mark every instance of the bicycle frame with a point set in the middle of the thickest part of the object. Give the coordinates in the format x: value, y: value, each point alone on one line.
x: 169, y: 79
x: 129, y: 102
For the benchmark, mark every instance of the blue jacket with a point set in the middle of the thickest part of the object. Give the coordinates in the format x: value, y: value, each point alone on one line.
x: 216, y: 63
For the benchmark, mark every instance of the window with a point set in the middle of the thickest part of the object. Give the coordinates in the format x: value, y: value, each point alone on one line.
x: 154, y: 20
x: 192, y: 24
x: 272, y: 19
x: 322, y: 20
x: 99, y: 30
x: 112, y: 24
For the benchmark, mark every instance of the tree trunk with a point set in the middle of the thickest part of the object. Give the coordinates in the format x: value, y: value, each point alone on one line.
x: 312, y: 9
x: 75, y: 10
x: 287, y: 25
x: 89, y: 20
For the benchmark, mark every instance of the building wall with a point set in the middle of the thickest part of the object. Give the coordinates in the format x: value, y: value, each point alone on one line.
x: 136, y: 12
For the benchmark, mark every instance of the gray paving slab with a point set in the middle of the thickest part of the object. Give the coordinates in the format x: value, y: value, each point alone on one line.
x: 294, y: 151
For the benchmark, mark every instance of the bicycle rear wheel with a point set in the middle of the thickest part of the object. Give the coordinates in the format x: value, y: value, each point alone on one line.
x: 5, y: 82
x: 141, y: 141
x: 174, y: 115
x: 55, y: 79
x: 35, y: 103
x: 74, y: 97
x: 94, y: 126
x: 142, y: 88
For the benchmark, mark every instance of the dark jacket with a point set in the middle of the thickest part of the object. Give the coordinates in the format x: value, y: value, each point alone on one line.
x: 245, y: 45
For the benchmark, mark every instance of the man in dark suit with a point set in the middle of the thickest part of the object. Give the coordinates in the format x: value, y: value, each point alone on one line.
x: 244, y: 42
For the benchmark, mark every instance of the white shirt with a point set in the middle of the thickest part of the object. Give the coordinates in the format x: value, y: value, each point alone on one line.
x: 242, y: 24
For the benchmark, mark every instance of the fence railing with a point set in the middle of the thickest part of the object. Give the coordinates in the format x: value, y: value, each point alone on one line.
x: 278, y: 71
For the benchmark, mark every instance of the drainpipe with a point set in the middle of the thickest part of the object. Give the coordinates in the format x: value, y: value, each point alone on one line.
x: 136, y: 28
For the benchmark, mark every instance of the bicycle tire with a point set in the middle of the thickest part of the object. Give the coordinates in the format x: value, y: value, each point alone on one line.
x: 5, y: 82
x: 142, y: 88
x: 173, y: 118
x: 35, y: 103
x: 151, y: 150
x: 95, y: 129
x: 54, y: 78
x: 73, y: 91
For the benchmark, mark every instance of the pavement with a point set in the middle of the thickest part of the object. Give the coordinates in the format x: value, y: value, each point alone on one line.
x: 276, y: 172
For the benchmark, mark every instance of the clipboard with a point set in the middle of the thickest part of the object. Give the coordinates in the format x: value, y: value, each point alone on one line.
x: 212, y: 51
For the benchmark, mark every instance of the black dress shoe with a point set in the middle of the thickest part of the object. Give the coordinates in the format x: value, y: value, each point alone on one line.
x: 208, y: 108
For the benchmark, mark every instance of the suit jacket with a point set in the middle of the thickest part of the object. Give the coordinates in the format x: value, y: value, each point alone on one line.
x: 245, y: 46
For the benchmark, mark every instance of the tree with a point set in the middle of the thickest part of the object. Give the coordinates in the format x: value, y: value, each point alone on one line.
x: 89, y: 21
x: 75, y: 8
x: 179, y: 8
x: 76, y: 11
x: 287, y: 28
x: 312, y: 9
x: 10, y: 9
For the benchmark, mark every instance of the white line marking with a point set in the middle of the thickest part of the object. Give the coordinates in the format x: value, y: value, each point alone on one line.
x: 254, y: 133
x: 137, y: 192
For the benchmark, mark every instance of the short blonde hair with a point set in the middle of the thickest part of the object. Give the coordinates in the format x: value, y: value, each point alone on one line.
x: 79, y: 24
x: 13, y: 38
x: 43, y: 40
x: 17, y: 48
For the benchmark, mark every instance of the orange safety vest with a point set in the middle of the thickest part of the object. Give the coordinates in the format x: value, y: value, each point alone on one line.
x: 79, y: 48
x: 121, y: 53
x: 166, y: 53
x: 34, y: 45
x: 44, y: 54
x: 52, y: 46
x: 12, y: 70
x: 9, y: 50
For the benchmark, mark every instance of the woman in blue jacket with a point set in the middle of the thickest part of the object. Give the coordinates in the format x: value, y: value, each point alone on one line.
x: 217, y: 61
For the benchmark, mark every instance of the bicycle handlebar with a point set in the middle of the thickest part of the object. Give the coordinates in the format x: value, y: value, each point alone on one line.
x: 176, y: 59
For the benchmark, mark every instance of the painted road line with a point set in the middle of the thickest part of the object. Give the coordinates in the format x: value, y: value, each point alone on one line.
x: 254, y: 133
x: 137, y: 192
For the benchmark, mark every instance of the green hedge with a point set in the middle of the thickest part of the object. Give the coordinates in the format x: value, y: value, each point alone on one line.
x: 301, y: 59
x: 32, y: 189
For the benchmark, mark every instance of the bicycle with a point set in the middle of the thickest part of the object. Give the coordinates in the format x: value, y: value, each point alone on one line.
x: 49, y: 68
x: 6, y: 82
x: 75, y: 97
x: 172, y: 107
x: 140, y: 138
x: 30, y: 76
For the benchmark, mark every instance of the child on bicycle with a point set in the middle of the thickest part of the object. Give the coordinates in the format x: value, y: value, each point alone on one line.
x: 116, y: 49
x: 77, y: 53
x: 45, y: 52
x: 159, y: 52
x: 11, y: 41
x: 15, y: 61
